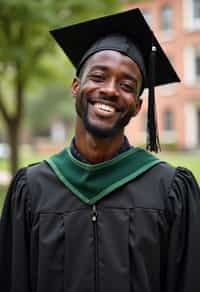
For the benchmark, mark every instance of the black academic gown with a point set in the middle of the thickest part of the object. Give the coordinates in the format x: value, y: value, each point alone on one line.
x: 142, y: 237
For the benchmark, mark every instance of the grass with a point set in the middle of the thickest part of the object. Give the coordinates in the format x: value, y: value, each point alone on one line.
x: 27, y: 157
x: 2, y: 196
x: 188, y: 160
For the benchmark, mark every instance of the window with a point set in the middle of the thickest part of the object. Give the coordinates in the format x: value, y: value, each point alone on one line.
x: 168, y: 120
x: 147, y: 15
x: 196, y: 9
x: 192, y: 65
x: 191, y: 14
x: 197, y: 67
x: 192, y: 125
x: 168, y: 133
x: 166, y: 16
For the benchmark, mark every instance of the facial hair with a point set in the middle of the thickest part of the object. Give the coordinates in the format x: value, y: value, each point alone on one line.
x: 104, y: 132
x: 95, y: 130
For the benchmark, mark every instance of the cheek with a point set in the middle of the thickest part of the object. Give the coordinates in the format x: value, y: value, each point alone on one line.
x: 81, y: 102
x: 131, y: 101
x: 90, y: 86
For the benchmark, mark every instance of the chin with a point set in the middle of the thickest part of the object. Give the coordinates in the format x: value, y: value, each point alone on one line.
x: 101, y: 132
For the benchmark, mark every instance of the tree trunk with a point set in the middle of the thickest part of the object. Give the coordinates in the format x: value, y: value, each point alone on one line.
x: 13, y: 121
x: 13, y: 136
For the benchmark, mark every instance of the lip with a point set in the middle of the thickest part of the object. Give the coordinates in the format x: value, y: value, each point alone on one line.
x: 98, y: 109
x: 107, y: 103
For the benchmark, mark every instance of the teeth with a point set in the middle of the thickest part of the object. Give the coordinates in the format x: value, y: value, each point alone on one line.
x: 105, y: 107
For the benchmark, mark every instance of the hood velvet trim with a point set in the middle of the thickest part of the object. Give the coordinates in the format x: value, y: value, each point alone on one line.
x: 92, y: 182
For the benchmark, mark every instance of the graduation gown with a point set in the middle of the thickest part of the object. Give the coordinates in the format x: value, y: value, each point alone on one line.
x: 141, y: 236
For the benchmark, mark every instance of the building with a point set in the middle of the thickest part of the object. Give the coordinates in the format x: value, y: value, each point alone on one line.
x: 177, y: 25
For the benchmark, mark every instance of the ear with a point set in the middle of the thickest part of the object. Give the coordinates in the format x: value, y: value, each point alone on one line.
x: 75, y: 86
x: 138, y: 107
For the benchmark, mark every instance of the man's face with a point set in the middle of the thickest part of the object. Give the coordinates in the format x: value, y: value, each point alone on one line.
x: 107, y: 93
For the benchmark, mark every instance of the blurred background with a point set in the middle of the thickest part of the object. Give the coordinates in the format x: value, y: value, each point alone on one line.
x: 36, y: 106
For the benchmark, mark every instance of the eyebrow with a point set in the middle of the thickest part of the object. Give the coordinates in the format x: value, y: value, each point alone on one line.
x: 99, y: 67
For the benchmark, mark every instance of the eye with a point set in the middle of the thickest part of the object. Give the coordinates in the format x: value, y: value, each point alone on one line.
x: 129, y: 87
x: 97, y: 77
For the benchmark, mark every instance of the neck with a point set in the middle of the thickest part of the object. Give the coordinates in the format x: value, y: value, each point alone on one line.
x: 96, y: 149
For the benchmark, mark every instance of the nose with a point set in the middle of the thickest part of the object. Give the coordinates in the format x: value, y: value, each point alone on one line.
x: 110, y: 88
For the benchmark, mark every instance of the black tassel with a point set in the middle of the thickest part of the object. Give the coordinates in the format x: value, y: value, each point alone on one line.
x: 152, y: 130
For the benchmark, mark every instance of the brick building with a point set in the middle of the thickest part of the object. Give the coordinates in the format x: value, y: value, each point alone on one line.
x: 176, y: 23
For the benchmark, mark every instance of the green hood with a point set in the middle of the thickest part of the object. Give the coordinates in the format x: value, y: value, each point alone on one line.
x: 92, y: 182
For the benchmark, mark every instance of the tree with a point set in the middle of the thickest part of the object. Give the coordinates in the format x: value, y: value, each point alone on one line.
x: 53, y: 101
x: 24, y: 41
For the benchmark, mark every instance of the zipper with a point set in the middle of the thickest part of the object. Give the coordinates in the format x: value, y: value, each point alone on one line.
x: 96, y: 253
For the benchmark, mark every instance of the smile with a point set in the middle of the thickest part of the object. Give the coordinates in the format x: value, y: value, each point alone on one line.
x: 104, y: 107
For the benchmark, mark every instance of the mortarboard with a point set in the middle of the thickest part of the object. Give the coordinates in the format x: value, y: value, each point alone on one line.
x: 129, y: 33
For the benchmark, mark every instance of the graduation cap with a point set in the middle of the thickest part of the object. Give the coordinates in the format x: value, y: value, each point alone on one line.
x: 128, y: 33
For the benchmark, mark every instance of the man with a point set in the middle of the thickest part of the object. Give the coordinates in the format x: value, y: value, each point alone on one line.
x: 101, y: 215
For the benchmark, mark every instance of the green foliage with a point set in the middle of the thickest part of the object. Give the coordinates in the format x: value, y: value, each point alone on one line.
x: 24, y: 24
x: 53, y: 101
x: 27, y: 50
x: 24, y: 27
x: 26, y: 43
x: 3, y: 191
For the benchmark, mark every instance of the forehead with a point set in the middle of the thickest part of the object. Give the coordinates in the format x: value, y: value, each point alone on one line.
x: 112, y: 59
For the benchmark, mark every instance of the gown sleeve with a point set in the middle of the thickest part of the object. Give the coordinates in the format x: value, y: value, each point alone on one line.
x: 14, y: 237
x: 184, y: 240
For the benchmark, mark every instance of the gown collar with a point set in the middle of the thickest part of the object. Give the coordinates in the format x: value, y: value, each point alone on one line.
x: 91, y: 182
x: 75, y: 152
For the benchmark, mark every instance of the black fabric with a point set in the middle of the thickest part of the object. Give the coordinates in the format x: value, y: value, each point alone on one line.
x: 145, y: 237
x: 153, y: 143
x: 120, y: 43
x: 77, y: 39
x: 15, y: 238
x: 75, y: 152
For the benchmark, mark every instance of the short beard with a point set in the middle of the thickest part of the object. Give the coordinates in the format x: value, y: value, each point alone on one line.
x: 105, y: 133
x: 101, y: 132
